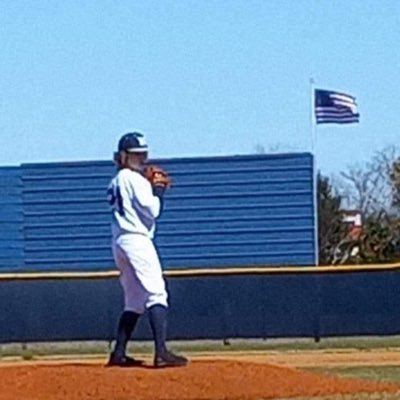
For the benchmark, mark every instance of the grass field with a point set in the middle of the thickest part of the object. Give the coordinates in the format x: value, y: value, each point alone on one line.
x: 379, y: 373
x: 242, y: 345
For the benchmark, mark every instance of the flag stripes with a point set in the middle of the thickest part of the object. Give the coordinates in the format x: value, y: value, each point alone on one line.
x: 335, y: 108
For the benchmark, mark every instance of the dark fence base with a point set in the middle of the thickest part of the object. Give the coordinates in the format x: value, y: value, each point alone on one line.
x: 306, y: 305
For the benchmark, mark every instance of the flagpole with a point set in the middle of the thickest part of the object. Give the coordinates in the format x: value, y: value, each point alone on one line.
x: 315, y: 172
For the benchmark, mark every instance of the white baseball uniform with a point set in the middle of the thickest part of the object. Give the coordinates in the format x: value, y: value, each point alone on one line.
x: 134, y: 211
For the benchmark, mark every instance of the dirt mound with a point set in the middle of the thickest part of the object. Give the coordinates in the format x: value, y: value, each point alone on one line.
x: 201, y: 380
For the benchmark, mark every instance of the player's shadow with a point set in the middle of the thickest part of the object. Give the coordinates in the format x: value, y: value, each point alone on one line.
x: 143, y: 366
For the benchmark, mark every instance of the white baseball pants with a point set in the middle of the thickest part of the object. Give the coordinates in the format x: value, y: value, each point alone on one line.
x: 141, y: 274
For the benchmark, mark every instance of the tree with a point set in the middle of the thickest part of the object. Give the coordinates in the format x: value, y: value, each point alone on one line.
x: 395, y: 179
x: 374, y: 189
x: 259, y: 149
x: 330, y: 224
x: 381, y: 238
x: 369, y: 187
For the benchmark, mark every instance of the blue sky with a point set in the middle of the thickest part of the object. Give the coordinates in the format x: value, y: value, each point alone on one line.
x: 199, y: 78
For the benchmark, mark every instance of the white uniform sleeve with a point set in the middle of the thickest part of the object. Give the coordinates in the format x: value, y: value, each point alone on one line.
x: 141, y: 192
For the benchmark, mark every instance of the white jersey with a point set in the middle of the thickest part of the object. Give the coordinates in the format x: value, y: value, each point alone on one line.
x: 133, y: 205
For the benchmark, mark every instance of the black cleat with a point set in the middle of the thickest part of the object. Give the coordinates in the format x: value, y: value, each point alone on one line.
x: 124, y: 362
x: 169, y: 359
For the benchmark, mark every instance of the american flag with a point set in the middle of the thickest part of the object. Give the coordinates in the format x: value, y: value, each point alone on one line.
x: 335, y: 108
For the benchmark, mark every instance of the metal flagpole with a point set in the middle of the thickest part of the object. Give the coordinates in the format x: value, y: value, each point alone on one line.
x: 315, y: 172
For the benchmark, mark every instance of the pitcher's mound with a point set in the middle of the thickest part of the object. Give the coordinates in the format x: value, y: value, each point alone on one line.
x: 200, y: 380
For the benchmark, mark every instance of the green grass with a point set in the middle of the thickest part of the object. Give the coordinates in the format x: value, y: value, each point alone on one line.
x: 388, y: 373
x: 100, y: 348
x: 329, y: 344
x: 376, y: 373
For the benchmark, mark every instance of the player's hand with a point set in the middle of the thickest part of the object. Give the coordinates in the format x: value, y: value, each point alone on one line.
x: 157, y: 176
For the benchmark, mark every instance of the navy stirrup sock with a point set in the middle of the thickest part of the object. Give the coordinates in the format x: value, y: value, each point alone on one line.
x: 126, y: 325
x: 158, y: 323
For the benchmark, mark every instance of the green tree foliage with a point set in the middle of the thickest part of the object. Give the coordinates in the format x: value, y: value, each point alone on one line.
x: 331, y: 229
x: 395, y: 179
x: 380, y: 240
x: 373, y: 189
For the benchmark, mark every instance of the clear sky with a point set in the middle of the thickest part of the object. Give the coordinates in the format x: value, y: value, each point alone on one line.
x: 199, y: 78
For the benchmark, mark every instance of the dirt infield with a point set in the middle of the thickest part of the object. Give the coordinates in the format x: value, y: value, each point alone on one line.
x: 203, y: 379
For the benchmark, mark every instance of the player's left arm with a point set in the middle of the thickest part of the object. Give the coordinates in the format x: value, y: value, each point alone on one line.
x: 143, y: 193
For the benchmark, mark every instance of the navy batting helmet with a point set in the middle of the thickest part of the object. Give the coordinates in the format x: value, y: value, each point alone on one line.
x: 133, y: 143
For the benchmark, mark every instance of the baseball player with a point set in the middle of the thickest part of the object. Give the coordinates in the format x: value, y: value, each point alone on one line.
x: 136, y: 201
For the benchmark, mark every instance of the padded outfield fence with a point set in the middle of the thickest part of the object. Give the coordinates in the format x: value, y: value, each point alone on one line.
x: 217, y: 304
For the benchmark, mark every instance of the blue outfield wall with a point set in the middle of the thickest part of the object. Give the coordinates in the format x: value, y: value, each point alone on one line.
x: 11, y: 219
x: 264, y: 306
x: 221, y: 211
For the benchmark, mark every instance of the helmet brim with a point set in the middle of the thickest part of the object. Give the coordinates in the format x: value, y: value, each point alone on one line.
x: 137, y: 150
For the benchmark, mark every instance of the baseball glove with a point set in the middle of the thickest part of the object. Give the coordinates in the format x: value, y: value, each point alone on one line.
x: 157, y: 176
